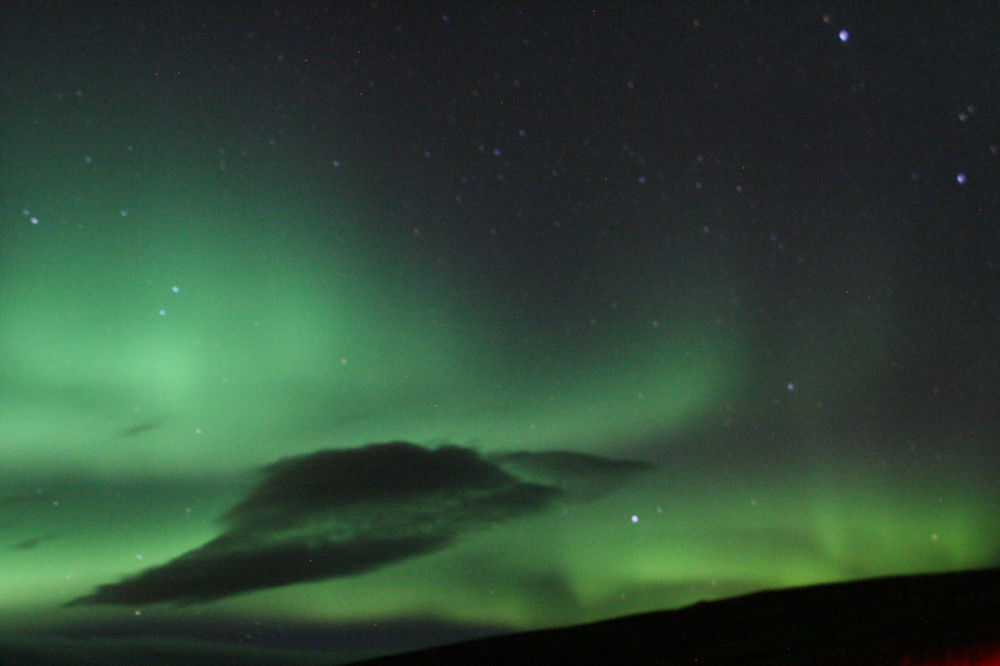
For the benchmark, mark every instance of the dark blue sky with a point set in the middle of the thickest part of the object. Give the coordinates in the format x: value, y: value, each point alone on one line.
x: 750, y: 249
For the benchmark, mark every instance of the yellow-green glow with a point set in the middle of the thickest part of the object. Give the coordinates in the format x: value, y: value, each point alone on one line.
x: 220, y: 343
x: 180, y: 339
x: 235, y: 339
x: 187, y: 298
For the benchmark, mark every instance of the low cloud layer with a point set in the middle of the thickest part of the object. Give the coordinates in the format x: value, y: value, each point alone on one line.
x: 341, y: 512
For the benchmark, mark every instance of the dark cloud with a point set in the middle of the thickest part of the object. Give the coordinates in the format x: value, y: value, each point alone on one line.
x: 341, y: 512
x: 578, y: 473
x: 140, y: 428
x: 33, y: 542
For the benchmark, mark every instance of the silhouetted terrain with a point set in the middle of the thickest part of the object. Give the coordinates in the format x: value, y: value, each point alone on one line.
x: 922, y: 620
x: 903, y: 620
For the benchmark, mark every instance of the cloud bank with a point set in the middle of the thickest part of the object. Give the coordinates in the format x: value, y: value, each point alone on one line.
x: 337, y: 513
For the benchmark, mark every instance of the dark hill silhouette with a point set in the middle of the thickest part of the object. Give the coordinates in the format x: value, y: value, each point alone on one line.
x: 948, y: 619
x: 921, y: 620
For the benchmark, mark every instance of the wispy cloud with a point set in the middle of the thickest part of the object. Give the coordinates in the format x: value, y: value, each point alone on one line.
x: 341, y: 512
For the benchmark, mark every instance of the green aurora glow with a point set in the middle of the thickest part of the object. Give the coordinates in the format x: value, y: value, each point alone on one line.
x: 173, y: 319
x: 270, y: 347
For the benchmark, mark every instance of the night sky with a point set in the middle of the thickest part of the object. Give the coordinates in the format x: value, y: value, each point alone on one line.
x: 366, y: 326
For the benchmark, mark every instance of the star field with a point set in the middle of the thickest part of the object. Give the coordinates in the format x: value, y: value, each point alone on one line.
x: 353, y: 328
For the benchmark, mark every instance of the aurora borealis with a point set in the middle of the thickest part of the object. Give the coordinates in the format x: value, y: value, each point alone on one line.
x: 687, y: 301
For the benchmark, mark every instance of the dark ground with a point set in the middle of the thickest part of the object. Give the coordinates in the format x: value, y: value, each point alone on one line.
x: 950, y: 619
x: 925, y: 619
